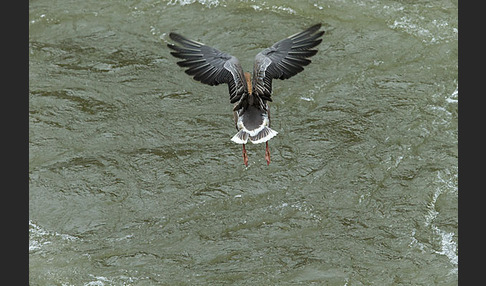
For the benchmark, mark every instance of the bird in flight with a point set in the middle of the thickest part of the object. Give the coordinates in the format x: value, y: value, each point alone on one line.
x: 250, y: 95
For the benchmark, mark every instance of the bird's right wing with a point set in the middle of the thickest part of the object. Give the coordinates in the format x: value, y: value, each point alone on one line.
x: 284, y: 59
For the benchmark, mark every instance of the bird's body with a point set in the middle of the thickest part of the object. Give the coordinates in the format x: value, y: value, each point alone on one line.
x: 252, y: 120
x: 250, y: 95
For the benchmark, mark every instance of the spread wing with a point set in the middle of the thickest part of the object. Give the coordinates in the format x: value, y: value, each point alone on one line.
x: 209, y: 65
x: 284, y: 59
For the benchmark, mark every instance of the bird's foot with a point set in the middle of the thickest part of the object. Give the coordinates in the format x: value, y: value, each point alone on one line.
x: 267, y: 154
x: 245, y: 156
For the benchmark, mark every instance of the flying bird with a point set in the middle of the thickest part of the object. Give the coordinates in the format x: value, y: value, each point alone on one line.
x: 250, y: 95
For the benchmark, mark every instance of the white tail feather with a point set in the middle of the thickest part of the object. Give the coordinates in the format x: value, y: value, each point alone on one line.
x: 241, y: 137
x: 263, y: 136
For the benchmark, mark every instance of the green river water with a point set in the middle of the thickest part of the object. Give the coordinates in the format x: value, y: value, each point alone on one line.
x: 134, y: 180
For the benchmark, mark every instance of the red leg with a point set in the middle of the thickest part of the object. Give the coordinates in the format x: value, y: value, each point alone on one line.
x: 267, y: 153
x: 245, y: 156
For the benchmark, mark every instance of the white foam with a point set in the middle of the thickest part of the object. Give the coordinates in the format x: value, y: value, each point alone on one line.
x: 39, y: 236
x: 407, y: 25
x: 273, y: 8
x: 99, y: 281
x: 435, y: 31
x: 448, y: 246
x: 256, y: 7
x: 207, y: 3
x: 306, y: 98
x: 454, y: 96
x: 286, y: 9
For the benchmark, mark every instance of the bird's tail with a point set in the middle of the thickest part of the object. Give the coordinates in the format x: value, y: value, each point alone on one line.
x: 264, y: 135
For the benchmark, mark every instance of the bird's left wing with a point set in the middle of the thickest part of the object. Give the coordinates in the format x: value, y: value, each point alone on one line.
x: 209, y: 65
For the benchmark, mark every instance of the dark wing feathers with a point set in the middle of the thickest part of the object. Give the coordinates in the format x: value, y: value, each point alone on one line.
x: 284, y: 59
x: 209, y: 65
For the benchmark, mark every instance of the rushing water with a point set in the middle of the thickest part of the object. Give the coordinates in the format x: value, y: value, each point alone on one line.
x: 134, y: 179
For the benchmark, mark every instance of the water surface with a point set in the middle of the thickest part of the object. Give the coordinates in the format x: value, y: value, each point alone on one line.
x: 134, y: 179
